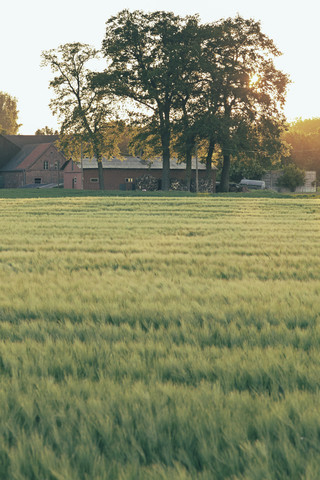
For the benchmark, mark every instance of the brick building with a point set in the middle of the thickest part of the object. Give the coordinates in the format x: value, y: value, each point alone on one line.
x: 122, y: 174
x: 30, y: 160
x: 34, y: 161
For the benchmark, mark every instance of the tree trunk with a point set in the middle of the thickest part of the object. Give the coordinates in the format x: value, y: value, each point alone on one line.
x: 98, y: 157
x: 100, y: 174
x: 165, y: 140
x: 209, y: 159
x: 165, y: 185
x: 224, y: 183
x: 165, y: 129
x: 188, y: 167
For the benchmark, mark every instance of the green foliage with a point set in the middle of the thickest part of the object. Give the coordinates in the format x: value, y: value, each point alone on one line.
x: 8, y: 115
x: 253, y: 166
x: 196, y: 82
x: 152, y: 61
x: 243, y: 167
x: 158, y: 337
x: 46, y: 131
x: 182, y: 82
x: 242, y: 116
x: 292, y: 177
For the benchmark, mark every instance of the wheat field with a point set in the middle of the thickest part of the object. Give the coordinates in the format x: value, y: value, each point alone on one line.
x: 159, y: 337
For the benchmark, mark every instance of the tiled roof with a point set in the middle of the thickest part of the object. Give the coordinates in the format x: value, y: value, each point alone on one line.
x: 23, y: 140
x: 26, y: 157
x: 34, y: 155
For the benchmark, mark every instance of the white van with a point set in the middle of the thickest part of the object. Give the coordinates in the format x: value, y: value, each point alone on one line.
x: 253, y: 184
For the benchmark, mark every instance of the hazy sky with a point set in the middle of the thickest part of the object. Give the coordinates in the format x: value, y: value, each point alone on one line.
x: 29, y: 27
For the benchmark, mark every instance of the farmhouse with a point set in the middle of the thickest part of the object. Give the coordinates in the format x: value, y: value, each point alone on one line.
x: 35, y: 161
x: 30, y: 160
x: 126, y: 173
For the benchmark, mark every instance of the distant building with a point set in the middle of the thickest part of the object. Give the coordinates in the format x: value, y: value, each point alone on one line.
x: 310, y: 184
x: 123, y: 174
x: 30, y: 160
x: 35, y: 161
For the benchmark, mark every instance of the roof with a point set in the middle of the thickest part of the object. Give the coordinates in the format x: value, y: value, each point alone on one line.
x: 23, y: 140
x: 26, y: 157
x: 7, y: 150
x: 129, y: 162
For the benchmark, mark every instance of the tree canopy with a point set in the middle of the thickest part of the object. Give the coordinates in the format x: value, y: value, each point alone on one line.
x: 46, y: 131
x: 150, y: 60
x: 183, y: 83
x: 244, y: 92
x: 8, y: 114
x: 215, y: 81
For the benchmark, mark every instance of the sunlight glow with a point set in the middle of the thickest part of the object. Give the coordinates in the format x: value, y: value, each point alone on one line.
x: 254, y: 80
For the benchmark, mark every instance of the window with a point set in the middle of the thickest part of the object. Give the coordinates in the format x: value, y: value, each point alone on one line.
x: 45, y: 165
x: 94, y: 180
x: 75, y: 180
x: 129, y: 180
x: 56, y: 165
x: 37, y: 180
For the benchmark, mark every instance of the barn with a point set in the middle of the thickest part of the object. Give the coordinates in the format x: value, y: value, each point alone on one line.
x: 125, y: 173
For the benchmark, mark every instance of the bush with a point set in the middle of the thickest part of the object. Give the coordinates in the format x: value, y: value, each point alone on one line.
x: 292, y: 177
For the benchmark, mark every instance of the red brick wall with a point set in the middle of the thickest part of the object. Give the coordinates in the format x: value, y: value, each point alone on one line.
x: 53, y: 174
x: 72, y: 176
x: 72, y: 180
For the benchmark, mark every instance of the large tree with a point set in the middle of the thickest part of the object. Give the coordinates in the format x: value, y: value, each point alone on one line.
x: 148, y: 61
x: 243, y: 92
x: 8, y: 114
x: 87, y: 118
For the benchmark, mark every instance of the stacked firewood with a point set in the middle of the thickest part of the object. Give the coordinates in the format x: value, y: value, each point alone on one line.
x: 147, y: 183
x: 178, y: 185
x: 204, y: 185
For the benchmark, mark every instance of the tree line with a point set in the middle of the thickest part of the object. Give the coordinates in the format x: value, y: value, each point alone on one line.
x: 180, y: 84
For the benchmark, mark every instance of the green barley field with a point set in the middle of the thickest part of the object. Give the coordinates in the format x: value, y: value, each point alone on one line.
x: 153, y: 337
